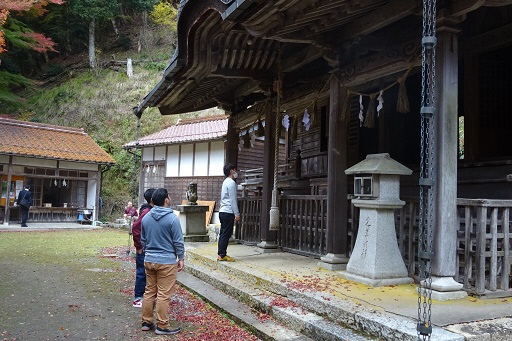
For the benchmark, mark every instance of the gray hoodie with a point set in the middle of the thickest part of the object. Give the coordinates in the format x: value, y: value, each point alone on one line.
x: 161, y: 236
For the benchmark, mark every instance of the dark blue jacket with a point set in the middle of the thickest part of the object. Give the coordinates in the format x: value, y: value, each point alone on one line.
x: 24, y: 194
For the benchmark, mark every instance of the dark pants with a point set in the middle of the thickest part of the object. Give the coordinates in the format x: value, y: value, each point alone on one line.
x: 24, y: 215
x: 227, y: 221
x: 140, y: 277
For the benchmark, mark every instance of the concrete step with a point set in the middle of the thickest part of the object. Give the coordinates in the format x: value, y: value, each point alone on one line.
x: 264, y: 328
x: 283, y: 310
x: 320, y: 315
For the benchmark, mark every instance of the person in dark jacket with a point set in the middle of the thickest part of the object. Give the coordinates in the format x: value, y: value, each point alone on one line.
x: 140, y: 272
x: 24, y: 202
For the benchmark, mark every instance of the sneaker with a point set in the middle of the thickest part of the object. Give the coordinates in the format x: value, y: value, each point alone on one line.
x: 147, y: 326
x: 226, y: 258
x: 137, y: 303
x: 24, y: 225
x: 160, y: 331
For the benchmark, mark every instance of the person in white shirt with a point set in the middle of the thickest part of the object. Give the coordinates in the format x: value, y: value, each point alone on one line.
x: 228, y: 212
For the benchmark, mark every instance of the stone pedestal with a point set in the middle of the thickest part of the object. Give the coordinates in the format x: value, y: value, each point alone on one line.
x: 376, y: 259
x: 333, y: 262
x: 193, y: 223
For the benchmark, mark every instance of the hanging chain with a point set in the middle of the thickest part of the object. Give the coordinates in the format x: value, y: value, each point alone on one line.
x: 426, y: 183
x: 279, y: 89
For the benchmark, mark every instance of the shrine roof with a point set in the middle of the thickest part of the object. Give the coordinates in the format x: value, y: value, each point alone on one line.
x: 46, y: 141
x: 191, y: 130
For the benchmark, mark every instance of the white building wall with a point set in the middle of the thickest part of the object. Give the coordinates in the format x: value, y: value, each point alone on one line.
x: 173, y: 161
x: 25, y: 161
x: 148, y: 154
x: 160, y: 153
x: 201, y: 159
x: 187, y: 160
x: 91, y: 197
x: 216, y: 158
x: 78, y: 166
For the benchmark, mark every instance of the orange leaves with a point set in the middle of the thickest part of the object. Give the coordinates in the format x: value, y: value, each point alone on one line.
x: 39, y: 42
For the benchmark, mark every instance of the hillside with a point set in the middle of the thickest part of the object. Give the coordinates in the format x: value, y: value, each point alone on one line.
x: 101, y: 103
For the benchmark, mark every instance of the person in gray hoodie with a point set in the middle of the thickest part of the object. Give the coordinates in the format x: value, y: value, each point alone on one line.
x: 162, y: 241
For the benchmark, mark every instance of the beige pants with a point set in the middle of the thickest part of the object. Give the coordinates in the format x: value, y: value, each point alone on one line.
x: 160, y: 283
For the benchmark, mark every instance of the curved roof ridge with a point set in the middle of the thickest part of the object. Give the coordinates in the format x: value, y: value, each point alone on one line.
x: 38, y: 125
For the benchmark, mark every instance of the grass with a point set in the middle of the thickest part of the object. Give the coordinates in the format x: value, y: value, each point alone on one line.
x: 52, y: 246
x: 72, y: 250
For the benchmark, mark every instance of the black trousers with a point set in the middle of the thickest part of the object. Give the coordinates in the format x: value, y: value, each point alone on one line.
x: 227, y: 221
x: 24, y: 215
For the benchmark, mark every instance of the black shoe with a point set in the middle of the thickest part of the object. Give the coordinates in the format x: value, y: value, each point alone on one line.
x: 160, y: 331
x: 24, y: 225
x: 147, y: 326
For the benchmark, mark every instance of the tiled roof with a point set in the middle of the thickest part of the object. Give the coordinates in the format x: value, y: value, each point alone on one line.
x: 47, y: 141
x: 198, y: 129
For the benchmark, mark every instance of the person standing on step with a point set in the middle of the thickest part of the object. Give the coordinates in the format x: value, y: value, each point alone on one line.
x: 24, y: 202
x: 140, y: 272
x: 228, y: 212
x: 164, y: 249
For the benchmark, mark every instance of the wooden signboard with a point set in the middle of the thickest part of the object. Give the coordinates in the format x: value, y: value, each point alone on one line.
x: 209, y: 213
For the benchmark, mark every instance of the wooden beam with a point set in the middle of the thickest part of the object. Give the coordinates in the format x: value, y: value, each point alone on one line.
x: 465, y: 6
x: 379, y: 18
x: 490, y: 40
x: 301, y: 58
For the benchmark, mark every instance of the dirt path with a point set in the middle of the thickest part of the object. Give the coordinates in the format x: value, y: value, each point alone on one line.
x: 54, y: 303
x: 78, y: 285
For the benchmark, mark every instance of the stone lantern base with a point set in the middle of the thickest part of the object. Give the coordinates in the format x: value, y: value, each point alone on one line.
x: 376, y: 259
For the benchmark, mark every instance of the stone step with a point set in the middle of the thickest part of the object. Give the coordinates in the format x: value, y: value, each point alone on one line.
x: 264, y: 328
x: 292, y: 315
x: 259, y: 288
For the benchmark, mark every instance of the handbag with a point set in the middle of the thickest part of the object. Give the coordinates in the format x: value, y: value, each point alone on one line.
x: 24, y: 202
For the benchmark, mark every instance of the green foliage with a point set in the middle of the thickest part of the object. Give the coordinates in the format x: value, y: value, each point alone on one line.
x: 94, y: 9
x: 53, y: 69
x: 8, y: 82
x: 140, y: 5
x: 155, y: 66
x: 123, y: 43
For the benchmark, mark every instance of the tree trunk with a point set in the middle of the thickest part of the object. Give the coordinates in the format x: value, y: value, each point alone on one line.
x: 92, y: 54
x: 113, y: 21
x: 143, y: 32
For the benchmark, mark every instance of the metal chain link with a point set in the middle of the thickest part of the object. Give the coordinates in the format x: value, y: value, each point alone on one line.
x: 278, y: 113
x: 427, y: 168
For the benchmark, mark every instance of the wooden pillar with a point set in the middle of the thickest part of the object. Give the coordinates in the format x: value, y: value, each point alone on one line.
x: 337, y: 202
x: 9, y: 179
x: 232, y: 142
x: 268, y: 238
x: 445, y: 148
x: 97, y: 199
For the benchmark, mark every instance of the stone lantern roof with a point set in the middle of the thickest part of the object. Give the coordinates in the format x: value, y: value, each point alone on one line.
x: 379, y: 164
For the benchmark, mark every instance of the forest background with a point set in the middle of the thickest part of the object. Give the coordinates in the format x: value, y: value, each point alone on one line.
x: 65, y: 63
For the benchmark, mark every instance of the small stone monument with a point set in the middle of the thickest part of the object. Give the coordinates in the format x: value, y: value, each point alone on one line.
x: 193, y: 217
x: 192, y: 194
x: 376, y: 259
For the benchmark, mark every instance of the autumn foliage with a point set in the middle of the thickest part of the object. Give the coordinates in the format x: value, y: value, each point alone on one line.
x: 36, y: 41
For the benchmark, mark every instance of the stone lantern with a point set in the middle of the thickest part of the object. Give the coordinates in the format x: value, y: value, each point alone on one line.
x: 376, y: 259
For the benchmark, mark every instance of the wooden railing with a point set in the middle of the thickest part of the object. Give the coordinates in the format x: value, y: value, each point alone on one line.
x: 484, y: 236
x: 483, y: 244
x: 247, y: 230
x: 303, y: 224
